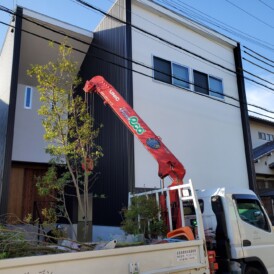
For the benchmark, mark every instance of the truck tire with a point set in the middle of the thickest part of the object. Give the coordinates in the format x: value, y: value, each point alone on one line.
x: 252, y: 270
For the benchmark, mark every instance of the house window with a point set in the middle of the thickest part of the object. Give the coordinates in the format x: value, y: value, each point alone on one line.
x: 180, y: 76
x: 216, y: 87
x: 162, y: 70
x: 28, y: 98
x: 269, y: 137
x: 209, y: 85
x: 262, y: 136
x: 201, y: 82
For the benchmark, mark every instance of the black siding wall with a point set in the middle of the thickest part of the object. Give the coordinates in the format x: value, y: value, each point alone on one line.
x: 112, y: 39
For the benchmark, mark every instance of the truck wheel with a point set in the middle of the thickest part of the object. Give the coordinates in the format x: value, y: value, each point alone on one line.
x: 252, y: 270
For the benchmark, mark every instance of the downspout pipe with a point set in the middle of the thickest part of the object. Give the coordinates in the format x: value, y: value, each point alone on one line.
x: 245, y: 119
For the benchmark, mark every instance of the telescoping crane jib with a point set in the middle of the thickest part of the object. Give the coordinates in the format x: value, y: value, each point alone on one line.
x: 169, y: 165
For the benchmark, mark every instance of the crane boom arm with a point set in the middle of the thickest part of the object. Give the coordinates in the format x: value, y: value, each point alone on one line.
x: 169, y: 165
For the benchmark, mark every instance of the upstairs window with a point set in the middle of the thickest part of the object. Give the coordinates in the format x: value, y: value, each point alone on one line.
x: 162, y: 70
x: 262, y: 136
x: 209, y: 85
x: 216, y: 87
x: 180, y: 76
x: 168, y: 72
x: 266, y: 136
x: 28, y: 98
x: 200, y: 82
x: 269, y: 137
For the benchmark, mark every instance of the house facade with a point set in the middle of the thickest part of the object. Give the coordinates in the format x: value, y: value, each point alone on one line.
x: 262, y: 133
x: 183, y: 79
x: 23, y: 156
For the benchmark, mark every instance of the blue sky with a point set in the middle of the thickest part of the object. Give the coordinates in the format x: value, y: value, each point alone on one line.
x: 247, y: 21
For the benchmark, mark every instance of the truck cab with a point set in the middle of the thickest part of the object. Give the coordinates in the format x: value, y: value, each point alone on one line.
x: 238, y: 228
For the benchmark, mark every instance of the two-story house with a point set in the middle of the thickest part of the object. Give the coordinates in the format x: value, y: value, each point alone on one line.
x: 262, y: 134
x: 183, y: 79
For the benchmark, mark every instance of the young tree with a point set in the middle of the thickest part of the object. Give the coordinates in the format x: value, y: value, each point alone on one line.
x: 70, y: 131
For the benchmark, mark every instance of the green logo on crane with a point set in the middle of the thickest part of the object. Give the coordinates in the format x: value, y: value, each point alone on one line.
x: 133, y: 121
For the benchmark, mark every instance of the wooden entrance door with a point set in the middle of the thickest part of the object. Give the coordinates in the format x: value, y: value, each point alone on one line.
x: 23, y: 191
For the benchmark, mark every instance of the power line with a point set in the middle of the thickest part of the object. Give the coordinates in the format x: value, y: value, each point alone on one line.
x: 195, y: 15
x: 259, y: 55
x: 153, y: 35
x: 247, y: 60
x: 266, y: 4
x: 253, y: 16
x: 162, y: 39
x: 141, y: 64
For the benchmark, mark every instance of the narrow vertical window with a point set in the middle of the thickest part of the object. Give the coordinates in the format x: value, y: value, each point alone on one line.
x: 162, y: 70
x: 216, y: 87
x: 180, y: 76
x: 28, y: 98
x: 200, y: 82
x: 262, y: 135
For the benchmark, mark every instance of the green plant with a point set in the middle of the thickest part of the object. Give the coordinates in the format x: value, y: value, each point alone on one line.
x: 142, y: 217
x: 70, y: 133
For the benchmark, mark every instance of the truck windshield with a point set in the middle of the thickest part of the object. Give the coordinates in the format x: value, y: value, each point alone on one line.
x: 251, y: 212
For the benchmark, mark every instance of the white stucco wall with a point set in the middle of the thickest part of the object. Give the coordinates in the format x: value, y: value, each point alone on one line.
x: 6, y: 58
x: 204, y: 134
x: 28, y: 142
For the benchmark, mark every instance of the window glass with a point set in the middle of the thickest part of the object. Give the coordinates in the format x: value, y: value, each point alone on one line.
x: 216, y: 87
x: 251, y: 212
x: 28, y: 97
x: 262, y: 136
x: 162, y: 70
x: 180, y: 76
x: 269, y: 137
x: 200, y: 82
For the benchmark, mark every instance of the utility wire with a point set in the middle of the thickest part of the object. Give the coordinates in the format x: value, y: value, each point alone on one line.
x: 161, y: 39
x: 266, y: 4
x: 254, y: 64
x: 139, y: 71
x: 152, y: 35
x: 149, y: 76
x: 262, y: 56
x: 258, y: 59
x: 182, y: 8
x: 164, y: 40
x: 253, y: 16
